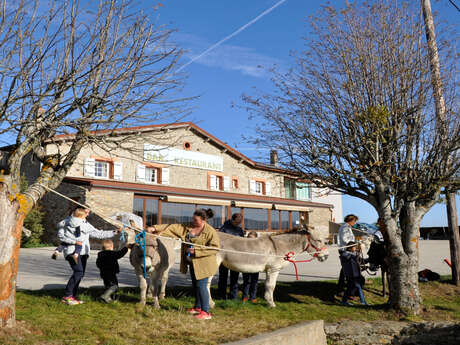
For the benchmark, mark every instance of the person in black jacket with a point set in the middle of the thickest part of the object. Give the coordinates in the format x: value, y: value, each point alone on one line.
x: 350, y: 261
x: 231, y: 227
x: 107, y: 262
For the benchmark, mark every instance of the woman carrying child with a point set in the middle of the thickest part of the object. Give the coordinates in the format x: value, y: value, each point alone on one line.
x: 69, y: 228
x: 202, y: 261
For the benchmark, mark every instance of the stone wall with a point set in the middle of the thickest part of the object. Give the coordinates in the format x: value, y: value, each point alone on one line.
x: 392, y: 332
x: 305, y: 333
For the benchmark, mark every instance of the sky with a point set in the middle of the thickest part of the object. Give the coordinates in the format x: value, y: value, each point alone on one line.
x: 240, y: 64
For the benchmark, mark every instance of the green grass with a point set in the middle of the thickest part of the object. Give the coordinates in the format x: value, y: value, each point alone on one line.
x: 42, y: 319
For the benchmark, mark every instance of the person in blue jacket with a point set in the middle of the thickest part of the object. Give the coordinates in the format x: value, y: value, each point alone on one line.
x: 232, y: 227
x: 350, y: 261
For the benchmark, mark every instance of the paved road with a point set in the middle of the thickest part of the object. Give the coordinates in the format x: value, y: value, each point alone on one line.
x: 38, y: 271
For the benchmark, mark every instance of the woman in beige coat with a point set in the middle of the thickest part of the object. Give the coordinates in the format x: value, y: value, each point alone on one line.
x: 202, y: 261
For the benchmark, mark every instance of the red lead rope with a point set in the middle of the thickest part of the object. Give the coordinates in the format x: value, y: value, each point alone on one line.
x: 289, y: 256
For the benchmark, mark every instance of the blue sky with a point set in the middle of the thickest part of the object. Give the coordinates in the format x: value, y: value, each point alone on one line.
x: 235, y: 67
x: 240, y: 64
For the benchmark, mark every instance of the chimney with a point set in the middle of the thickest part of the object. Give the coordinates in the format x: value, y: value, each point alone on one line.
x: 274, y: 157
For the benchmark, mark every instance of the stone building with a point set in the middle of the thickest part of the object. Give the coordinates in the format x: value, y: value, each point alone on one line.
x: 170, y: 170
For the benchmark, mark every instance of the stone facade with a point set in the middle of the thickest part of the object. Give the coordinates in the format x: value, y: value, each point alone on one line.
x: 116, y: 192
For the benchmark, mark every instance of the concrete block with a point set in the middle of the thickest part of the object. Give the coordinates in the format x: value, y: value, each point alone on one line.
x: 305, y: 333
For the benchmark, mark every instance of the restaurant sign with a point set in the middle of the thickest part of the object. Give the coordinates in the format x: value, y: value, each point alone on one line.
x: 191, y: 159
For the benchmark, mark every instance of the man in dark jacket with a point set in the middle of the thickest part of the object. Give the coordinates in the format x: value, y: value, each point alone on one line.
x: 107, y: 262
x: 350, y: 261
x: 231, y: 227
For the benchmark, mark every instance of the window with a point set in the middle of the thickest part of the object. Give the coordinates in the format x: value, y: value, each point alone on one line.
x: 234, y: 183
x: 218, y: 182
x: 296, y: 219
x: 173, y: 213
x: 255, y: 219
x: 284, y: 220
x: 259, y: 187
x: 101, y: 169
x: 147, y: 208
x: 219, y: 215
x: 275, y: 217
x: 303, y: 191
x: 289, y: 188
x: 151, y: 175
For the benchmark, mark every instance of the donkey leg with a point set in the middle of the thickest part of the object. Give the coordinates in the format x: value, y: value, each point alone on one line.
x: 142, y: 286
x: 212, y: 304
x: 164, y: 281
x: 154, y: 283
x: 270, y: 283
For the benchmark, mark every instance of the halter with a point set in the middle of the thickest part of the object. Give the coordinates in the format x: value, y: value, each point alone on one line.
x: 317, y: 250
x: 289, y: 256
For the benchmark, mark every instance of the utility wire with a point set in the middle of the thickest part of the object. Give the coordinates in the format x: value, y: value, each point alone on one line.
x: 264, y: 13
x: 453, y: 4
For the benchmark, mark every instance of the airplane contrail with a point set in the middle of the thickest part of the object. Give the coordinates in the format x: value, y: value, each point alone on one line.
x: 264, y: 13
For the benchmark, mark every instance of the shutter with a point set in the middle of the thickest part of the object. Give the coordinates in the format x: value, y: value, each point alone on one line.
x: 165, y: 176
x: 252, y: 186
x: 226, y: 183
x: 213, y: 182
x: 140, y: 175
x: 90, y: 167
x: 117, y: 170
x: 268, y: 188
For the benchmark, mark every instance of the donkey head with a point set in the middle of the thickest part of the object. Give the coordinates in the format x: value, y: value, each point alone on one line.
x: 316, y: 245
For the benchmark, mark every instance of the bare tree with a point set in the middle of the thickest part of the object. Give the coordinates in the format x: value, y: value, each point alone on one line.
x: 65, y: 68
x: 356, y: 114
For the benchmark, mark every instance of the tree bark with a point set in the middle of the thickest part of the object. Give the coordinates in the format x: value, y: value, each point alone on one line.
x: 403, y: 261
x: 454, y: 237
x: 10, y: 239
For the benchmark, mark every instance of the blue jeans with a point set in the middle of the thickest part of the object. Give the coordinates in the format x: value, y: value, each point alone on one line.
x: 250, y: 285
x: 200, y: 288
x: 78, y: 269
x: 222, y: 284
x: 352, y: 285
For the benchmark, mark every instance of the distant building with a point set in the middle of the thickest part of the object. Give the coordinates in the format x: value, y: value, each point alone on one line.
x: 166, y: 183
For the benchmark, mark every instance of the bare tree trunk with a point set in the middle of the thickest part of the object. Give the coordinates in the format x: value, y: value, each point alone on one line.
x: 10, y: 239
x: 403, y: 261
x: 454, y: 237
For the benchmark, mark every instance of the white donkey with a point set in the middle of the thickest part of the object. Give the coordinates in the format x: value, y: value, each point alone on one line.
x: 160, y: 256
x: 270, y: 251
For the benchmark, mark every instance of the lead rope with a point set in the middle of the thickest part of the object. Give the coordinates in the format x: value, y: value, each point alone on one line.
x: 140, y: 241
x: 289, y: 257
x: 109, y: 220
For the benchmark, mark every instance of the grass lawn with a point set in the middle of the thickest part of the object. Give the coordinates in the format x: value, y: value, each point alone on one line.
x: 43, y: 319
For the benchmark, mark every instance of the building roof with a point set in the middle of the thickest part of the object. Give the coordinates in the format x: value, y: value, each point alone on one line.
x: 198, y: 130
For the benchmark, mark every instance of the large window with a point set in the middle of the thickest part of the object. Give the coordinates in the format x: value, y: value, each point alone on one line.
x: 172, y: 212
x: 147, y: 208
x: 296, y: 219
x: 101, y: 169
x: 138, y: 207
x: 259, y: 187
x: 219, y: 215
x: 151, y: 212
x: 255, y: 219
x: 275, y: 215
x: 284, y: 220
